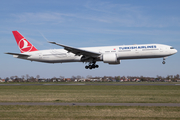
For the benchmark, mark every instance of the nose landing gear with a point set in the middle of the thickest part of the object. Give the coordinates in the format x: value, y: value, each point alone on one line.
x: 164, y: 60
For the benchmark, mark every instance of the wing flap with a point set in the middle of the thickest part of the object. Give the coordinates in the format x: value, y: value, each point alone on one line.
x: 77, y: 51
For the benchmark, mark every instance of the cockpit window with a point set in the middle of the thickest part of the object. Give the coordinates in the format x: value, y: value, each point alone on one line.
x: 171, y: 47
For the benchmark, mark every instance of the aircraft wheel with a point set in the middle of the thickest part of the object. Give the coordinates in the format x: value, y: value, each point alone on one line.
x: 90, y: 66
x: 93, y: 66
x: 86, y: 67
x: 163, y: 62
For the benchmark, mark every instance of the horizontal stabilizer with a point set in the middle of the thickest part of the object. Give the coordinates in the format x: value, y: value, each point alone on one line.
x: 20, y: 55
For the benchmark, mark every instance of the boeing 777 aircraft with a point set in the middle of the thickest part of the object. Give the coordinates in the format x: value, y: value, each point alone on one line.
x: 107, y: 54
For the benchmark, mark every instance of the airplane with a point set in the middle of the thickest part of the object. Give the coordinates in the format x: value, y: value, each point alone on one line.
x: 107, y: 54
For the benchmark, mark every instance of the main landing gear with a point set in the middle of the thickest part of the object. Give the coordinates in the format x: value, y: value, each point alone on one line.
x: 91, y: 66
x: 164, y: 60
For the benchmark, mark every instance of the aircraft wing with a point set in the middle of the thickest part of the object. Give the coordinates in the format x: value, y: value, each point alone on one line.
x: 20, y: 55
x: 77, y: 51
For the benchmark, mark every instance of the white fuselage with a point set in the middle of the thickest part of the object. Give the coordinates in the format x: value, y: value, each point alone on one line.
x: 122, y: 52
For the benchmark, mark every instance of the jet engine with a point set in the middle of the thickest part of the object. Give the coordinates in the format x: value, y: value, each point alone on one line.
x: 110, y: 58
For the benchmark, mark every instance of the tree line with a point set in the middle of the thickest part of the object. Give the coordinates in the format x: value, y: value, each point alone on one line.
x: 104, y: 78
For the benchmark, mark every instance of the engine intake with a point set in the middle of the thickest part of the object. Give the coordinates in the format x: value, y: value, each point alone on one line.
x: 110, y: 58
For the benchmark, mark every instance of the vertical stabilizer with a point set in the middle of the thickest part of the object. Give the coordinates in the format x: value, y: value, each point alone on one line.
x: 23, y: 44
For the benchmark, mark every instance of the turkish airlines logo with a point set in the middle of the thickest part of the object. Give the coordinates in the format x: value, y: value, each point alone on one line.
x: 24, y: 45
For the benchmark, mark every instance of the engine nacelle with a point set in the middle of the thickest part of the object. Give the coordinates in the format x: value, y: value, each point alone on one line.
x: 110, y: 58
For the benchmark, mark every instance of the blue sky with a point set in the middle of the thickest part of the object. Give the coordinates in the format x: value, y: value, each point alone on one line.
x: 86, y: 23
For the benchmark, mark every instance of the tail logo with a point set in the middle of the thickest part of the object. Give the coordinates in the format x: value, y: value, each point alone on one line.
x: 24, y: 45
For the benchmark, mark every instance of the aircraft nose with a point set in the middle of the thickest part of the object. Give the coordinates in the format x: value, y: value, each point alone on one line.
x: 176, y: 51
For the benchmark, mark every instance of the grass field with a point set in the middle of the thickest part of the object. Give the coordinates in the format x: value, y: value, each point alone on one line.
x: 90, y: 94
x: 87, y: 112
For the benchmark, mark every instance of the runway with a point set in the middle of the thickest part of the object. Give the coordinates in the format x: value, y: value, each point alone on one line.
x: 90, y: 104
x: 95, y: 84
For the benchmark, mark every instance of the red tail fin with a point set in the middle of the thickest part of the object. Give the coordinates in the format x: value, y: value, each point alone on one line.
x: 24, y: 45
